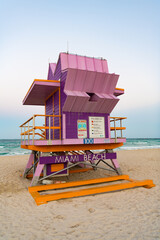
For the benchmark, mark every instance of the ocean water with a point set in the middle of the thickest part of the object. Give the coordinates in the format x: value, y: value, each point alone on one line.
x: 140, y: 143
x: 12, y: 146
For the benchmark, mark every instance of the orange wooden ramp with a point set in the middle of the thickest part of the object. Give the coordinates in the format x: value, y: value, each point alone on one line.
x: 40, y: 195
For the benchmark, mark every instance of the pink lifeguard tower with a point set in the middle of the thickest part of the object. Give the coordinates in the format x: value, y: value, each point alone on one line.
x: 77, y: 129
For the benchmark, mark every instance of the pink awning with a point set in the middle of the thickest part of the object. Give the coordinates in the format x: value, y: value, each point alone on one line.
x: 40, y: 91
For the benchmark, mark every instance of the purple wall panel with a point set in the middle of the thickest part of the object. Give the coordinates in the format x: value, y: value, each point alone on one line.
x: 63, y: 95
x: 57, y: 73
x: 49, y: 111
x: 51, y: 70
x: 71, y: 123
x: 56, y: 112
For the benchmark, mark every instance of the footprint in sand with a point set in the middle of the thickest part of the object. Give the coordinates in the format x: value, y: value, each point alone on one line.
x: 75, y: 226
x: 91, y: 210
x: 59, y: 217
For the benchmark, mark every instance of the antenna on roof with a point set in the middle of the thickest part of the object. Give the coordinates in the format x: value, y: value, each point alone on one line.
x: 67, y: 46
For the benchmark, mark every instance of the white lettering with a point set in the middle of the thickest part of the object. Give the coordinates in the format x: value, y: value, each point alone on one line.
x: 61, y: 159
x: 74, y: 158
x: 103, y: 156
x: 66, y: 159
x: 94, y: 157
x: 85, y: 157
x: 89, y: 157
x: 56, y: 160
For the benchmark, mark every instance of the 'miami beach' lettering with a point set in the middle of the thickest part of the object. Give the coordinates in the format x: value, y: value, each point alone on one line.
x: 94, y: 157
x: 66, y: 158
x: 76, y: 158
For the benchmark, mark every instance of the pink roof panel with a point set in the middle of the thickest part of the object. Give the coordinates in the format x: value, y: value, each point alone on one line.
x: 90, y: 81
x: 98, y: 65
x: 82, y: 102
x: 90, y: 64
x: 39, y: 91
x: 83, y: 63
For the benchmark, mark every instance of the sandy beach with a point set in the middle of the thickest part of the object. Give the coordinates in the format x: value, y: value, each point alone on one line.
x: 130, y: 214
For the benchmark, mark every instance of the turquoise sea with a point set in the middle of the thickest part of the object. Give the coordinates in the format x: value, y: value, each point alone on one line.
x: 12, y: 146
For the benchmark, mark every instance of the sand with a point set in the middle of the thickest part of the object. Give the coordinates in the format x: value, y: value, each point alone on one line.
x: 130, y: 214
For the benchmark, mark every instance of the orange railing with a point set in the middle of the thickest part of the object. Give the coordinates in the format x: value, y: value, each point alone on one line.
x: 116, y: 127
x: 30, y: 130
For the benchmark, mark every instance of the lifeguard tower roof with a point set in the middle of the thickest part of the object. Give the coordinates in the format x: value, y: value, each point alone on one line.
x: 85, y: 81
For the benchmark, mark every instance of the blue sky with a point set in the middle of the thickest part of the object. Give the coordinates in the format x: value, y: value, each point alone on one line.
x: 125, y: 32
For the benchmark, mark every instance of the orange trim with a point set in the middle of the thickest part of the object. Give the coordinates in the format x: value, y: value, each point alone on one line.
x: 46, y: 127
x: 52, y: 93
x: 80, y: 170
x: 77, y: 183
x: 30, y: 130
x: 61, y: 148
x: 41, y: 115
x: 118, y: 118
x: 26, y: 122
x: 30, y: 134
x: 44, y: 80
x: 42, y: 199
x: 120, y: 89
x: 39, y: 80
x: 117, y: 128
